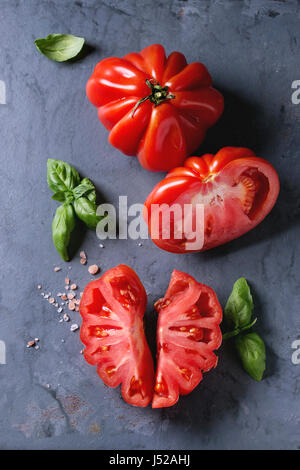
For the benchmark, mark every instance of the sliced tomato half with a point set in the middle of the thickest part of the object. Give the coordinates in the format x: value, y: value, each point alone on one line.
x: 112, y: 310
x: 187, y: 334
x: 235, y: 189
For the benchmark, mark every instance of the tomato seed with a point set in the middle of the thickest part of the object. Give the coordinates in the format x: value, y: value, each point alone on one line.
x: 110, y: 371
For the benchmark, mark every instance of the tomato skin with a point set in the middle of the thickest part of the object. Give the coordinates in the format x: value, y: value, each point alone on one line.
x: 188, y: 332
x: 112, y: 310
x: 160, y: 136
x: 237, y: 189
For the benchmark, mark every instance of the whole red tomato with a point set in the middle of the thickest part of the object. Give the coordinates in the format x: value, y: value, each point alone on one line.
x: 157, y: 108
x: 112, y: 310
x: 234, y: 188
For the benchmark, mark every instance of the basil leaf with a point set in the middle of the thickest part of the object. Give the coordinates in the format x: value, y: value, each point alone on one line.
x: 63, y: 196
x: 61, y: 176
x: 86, y: 211
x: 239, y: 308
x: 60, y: 47
x: 86, y: 186
x: 62, y: 226
x: 252, y: 352
x: 91, y: 195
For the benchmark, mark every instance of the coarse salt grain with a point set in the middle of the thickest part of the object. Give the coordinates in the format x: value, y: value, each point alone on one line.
x: 51, y: 300
x: 56, y: 269
x: 93, y: 269
x: 74, y: 327
x: 74, y: 286
x: 71, y: 305
x: 71, y: 295
x: 67, y: 281
x: 66, y: 317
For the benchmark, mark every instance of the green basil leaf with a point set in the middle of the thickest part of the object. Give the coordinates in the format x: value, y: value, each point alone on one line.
x: 239, y: 308
x: 60, y: 47
x: 86, y: 211
x: 86, y: 186
x: 62, y: 226
x: 61, y: 176
x: 91, y: 195
x: 63, y: 196
x: 252, y: 352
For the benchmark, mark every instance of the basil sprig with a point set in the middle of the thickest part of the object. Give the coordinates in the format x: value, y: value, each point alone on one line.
x: 60, y: 47
x: 238, y: 317
x: 78, y: 198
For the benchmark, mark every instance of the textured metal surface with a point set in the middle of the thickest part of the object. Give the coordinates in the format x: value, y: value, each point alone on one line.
x: 251, y: 48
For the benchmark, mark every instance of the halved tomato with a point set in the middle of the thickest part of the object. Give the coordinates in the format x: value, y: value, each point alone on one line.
x: 187, y: 334
x: 235, y: 189
x: 112, y: 310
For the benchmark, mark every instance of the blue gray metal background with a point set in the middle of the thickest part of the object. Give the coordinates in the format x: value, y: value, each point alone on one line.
x: 252, y: 50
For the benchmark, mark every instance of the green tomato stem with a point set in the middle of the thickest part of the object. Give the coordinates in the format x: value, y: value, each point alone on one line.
x: 157, y: 96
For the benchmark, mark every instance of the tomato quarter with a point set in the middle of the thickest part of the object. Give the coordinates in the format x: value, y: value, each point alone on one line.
x: 112, y: 310
x: 187, y: 334
x: 157, y: 108
x: 235, y: 188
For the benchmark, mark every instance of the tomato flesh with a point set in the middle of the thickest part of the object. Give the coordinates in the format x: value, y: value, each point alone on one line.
x: 112, y: 310
x: 187, y: 334
x: 236, y: 189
